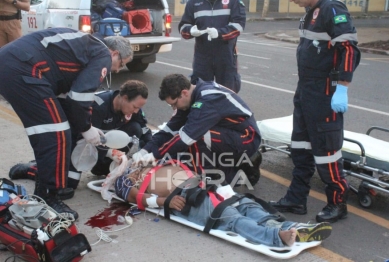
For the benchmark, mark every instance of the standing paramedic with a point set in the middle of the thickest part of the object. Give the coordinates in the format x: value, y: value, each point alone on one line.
x: 10, y: 16
x: 216, y: 25
x: 52, y: 63
x: 216, y: 140
x: 327, y: 56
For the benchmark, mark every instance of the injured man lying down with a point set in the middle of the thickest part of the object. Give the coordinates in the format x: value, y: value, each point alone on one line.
x: 195, y: 200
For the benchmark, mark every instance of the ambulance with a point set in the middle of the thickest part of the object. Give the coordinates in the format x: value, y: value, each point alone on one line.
x: 140, y: 15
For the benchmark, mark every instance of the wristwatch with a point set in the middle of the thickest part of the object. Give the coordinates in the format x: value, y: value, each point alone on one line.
x: 14, y: 2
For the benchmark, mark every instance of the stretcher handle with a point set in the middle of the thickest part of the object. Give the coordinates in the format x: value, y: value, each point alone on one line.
x: 376, y: 128
x: 359, y: 144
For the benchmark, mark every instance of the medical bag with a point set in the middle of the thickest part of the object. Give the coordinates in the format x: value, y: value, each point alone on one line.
x: 113, y: 11
x: 63, y: 243
x: 112, y: 26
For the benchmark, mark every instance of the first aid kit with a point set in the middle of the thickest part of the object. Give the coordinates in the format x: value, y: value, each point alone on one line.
x: 33, y: 232
x: 112, y: 27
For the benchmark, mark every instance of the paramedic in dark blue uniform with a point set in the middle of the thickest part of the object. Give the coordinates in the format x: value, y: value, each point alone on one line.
x: 215, y: 54
x: 326, y: 57
x: 229, y: 136
x: 119, y: 109
x: 45, y: 65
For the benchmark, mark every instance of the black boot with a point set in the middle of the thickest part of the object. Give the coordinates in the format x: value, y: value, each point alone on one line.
x: 23, y: 171
x: 332, y: 213
x: 52, y: 199
x: 284, y: 205
x: 252, y: 171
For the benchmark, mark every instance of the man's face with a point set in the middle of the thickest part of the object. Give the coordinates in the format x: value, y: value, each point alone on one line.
x: 130, y: 107
x: 118, y: 63
x: 305, y: 3
x: 182, y: 102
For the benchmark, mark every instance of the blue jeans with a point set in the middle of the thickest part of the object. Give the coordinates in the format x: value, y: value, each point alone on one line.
x: 249, y: 219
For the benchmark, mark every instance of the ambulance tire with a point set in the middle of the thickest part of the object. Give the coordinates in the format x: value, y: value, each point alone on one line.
x: 136, y: 65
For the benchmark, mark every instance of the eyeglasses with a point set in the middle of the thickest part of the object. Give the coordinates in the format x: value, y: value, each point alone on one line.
x: 121, y: 60
x: 174, y: 105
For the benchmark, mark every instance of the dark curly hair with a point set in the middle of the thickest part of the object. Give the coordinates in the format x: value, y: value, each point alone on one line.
x: 172, y: 85
x: 134, y: 88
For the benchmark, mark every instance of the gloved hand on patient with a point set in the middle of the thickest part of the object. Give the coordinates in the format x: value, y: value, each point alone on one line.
x: 339, y: 101
x: 142, y: 158
x: 93, y: 136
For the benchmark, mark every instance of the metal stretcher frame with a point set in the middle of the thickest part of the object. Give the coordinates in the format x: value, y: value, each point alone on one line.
x: 275, y: 252
x: 364, y: 157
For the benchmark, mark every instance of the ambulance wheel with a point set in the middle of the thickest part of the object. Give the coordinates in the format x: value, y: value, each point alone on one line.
x: 137, y: 66
x: 365, y: 200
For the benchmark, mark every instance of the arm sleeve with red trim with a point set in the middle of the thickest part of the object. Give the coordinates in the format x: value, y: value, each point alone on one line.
x: 87, y: 81
x: 200, y: 121
x: 349, y: 54
x: 167, y: 133
x: 237, y: 22
x: 187, y: 21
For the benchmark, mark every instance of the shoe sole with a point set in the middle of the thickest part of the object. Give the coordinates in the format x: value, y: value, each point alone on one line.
x: 317, y: 233
x: 331, y: 220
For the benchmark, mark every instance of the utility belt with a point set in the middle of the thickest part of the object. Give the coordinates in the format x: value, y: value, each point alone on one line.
x: 17, y: 16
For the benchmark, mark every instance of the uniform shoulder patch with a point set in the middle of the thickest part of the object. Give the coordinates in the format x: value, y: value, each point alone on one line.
x: 197, y: 105
x: 241, y: 2
x: 340, y: 19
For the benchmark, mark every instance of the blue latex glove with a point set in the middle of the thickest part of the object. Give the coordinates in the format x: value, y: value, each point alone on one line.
x: 339, y: 99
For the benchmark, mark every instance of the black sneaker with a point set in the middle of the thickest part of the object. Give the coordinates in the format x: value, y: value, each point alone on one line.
x: 313, y: 232
x: 332, y: 213
x: 283, y: 205
x: 55, y: 203
x: 252, y: 171
x: 24, y: 171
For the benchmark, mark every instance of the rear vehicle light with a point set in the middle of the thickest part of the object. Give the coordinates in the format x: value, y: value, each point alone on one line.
x: 84, y: 23
x: 168, y: 24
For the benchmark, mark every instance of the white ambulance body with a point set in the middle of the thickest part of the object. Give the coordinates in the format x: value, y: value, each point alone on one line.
x: 76, y: 14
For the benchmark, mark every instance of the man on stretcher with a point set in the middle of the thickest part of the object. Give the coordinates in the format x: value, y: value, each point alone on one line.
x: 197, y: 201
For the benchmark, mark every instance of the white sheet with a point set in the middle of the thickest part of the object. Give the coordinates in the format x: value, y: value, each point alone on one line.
x: 280, y: 130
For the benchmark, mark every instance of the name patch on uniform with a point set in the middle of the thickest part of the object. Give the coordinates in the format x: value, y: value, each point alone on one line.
x: 340, y: 19
x: 197, y: 105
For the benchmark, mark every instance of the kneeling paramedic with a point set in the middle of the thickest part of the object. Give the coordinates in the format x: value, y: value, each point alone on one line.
x: 212, y: 125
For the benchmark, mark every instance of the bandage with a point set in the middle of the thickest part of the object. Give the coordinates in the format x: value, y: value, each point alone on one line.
x: 152, y: 201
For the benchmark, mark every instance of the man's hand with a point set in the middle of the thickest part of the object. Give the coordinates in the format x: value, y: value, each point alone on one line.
x: 115, y: 155
x: 339, y: 101
x: 212, y: 33
x: 177, y: 203
x: 195, y: 32
x: 93, y: 136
